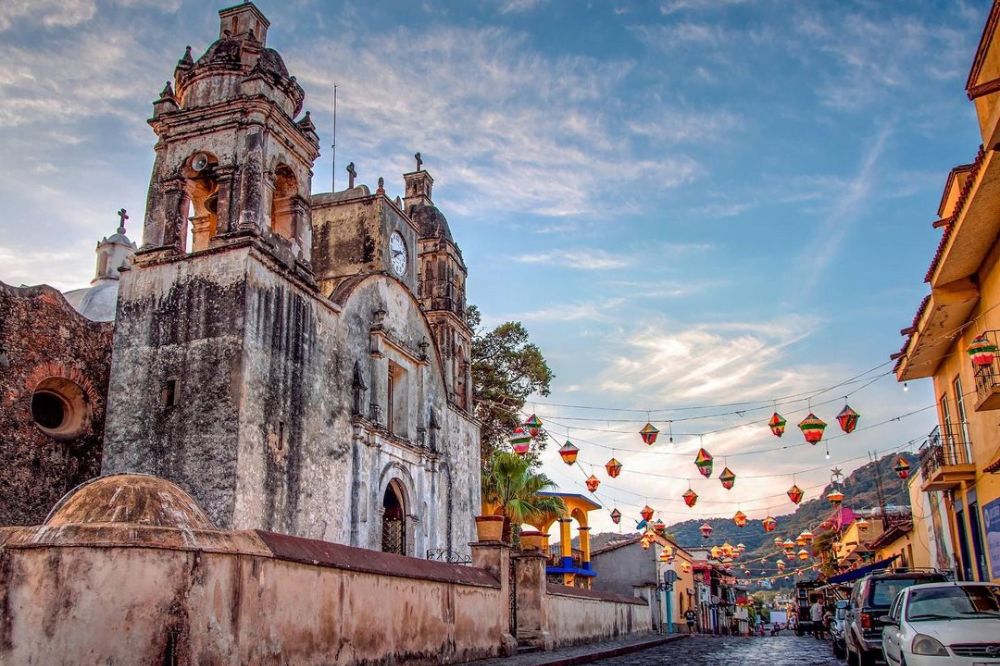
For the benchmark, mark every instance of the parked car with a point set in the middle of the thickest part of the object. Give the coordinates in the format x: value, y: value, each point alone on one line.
x: 837, y: 641
x: 957, y: 621
x: 870, y: 599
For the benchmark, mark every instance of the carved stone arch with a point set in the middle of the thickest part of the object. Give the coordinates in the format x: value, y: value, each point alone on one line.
x: 397, y: 501
x: 200, y: 200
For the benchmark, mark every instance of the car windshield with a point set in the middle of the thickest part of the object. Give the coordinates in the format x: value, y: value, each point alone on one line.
x: 960, y: 602
x: 886, y: 589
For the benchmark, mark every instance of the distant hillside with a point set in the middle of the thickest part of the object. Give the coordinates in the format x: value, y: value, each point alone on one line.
x: 858, y: 487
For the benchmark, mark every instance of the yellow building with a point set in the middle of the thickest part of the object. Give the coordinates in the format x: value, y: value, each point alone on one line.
x: 682, y: 596
x: 961, y: 456
x: 855, y: 541
x: 896, y: 542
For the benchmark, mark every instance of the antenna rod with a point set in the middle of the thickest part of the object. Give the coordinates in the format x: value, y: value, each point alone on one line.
x: 333, y: 183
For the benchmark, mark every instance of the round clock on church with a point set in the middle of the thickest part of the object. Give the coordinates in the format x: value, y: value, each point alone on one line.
x: 397, y: 252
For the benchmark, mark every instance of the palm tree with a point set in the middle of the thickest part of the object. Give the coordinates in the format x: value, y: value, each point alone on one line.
x: 510, y: 484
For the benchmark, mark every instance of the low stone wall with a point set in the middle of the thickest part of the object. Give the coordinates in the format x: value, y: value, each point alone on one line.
x: 128, y: 594
x: 573, y: 616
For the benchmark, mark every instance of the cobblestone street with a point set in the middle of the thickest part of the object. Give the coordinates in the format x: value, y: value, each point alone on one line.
x: 788, y: 650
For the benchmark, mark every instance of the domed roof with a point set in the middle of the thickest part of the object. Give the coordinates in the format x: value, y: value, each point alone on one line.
x: 129, y: 498
x: 96, y: 303
x: 229, y: 51
x: 430, y: 222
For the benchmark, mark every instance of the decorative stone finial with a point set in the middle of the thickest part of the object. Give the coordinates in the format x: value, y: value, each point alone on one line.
x: 351, y: 175
x: 381, y: 185
x: 187, y: 59
x: 167, y: 92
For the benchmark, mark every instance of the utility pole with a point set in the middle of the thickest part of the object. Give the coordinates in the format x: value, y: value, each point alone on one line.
x: 333, y: 177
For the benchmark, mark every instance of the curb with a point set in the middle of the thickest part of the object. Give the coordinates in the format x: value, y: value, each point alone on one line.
x: 608, y: 653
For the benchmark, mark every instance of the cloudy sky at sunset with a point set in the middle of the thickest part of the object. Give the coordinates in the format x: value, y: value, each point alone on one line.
x: 688, y: 202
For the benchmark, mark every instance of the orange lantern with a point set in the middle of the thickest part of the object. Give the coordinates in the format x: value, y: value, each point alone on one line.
x: 740, y: 519
x: 803, y: 554
x: 569, y: 452
x: 727, y: 478
x: 646, y: 513
x: 795, y: 494
x: 769, y: 524
x: 807, y: 536
x: 690, y: 497
x: 592, y: 483
x: 848, y: 419
x: 835, y: 498
x: 614, y: 468
x: 778, y: 541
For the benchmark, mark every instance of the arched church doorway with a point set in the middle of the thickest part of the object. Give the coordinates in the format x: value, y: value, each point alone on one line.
x: 394, y: 519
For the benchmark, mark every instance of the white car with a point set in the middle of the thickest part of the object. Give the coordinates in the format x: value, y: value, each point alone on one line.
x: 943, y: 623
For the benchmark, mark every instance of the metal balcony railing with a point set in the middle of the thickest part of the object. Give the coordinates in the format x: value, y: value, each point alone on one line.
x: 988, y: 376
x: 945, y: 445
x: 555, y: 557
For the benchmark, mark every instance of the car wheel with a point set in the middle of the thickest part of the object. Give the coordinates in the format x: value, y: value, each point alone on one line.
x: 838, y: 651
x: 852, y: 657
x: 866, y: 658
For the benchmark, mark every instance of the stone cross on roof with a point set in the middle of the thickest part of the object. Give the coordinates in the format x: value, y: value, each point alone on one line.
x: 420, y: 161
x: 122, y: 216
x: 351, y: 175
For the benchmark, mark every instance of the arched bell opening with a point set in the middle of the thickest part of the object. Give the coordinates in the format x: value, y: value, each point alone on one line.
x: 394, y: 519
x: 201, y: 188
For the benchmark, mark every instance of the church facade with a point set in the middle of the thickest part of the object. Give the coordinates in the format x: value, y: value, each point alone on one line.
x: 297, y: 362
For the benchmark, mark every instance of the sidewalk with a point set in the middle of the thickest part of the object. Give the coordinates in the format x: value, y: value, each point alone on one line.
x: 582, y: 654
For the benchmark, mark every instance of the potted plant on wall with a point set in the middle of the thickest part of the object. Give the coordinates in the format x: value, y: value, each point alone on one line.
x: 510, y: 484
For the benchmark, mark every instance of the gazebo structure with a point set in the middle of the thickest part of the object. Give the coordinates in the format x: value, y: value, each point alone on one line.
x: 568, y: 563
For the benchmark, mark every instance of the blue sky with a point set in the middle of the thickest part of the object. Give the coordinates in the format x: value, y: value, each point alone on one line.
x: 688, y: 202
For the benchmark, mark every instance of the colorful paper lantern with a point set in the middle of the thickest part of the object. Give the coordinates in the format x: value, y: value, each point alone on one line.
x: 704, y: 462
x: 727, y: 549
x: 803, y: 554
x: 690, y: 497
x: 664, y: 557
x: 728, y: 478
x: 769, y: 524
x: 812, y: 428
x: 807, y: 536
x: 740, y: 547
x: 848, y: 419
x: 781, y: 565
x: 902, y: 468
x: 685, y: 567
x: 569, y: 452
x: 788, y: 545
x: 533, y: 425
x: 706, y: 530
x: 982, y: 351
x: 835, y: 498
x: 649, y: 434
x: 646, y: 513
x: 795, y: 494
x: 777, y: 424
x: 716, y: 553
x: 614, y: 468
x: 645, y: 541
x: 863, y: 524
x: 659, y: 526
x: 616, y: 516
x: 778, y: 541
x: 799, y: 541
x: 740, y: 519
x: 520, y: 441
x: 592, y: 483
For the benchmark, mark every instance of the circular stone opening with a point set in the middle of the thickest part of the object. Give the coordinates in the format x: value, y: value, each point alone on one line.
x: 59, y: 408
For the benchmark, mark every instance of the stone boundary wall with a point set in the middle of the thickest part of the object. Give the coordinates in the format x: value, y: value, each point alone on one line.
x: 137, y: 595
x: 573, y: 616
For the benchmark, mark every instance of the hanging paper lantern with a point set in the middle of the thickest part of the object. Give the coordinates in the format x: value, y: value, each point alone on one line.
x: 716, y: 553
x: 982, y: 351
x: 664, y: 557
x: 848, y: 419
x: 614, y: 468
x: 659, y: 526
x: 863, y: 524
x: 669, y: 551
x: 569, y: 452
x: 835, y: 498
x: 727, y: 549
x: 520, y: 441
x: 706, y: 530
x: 799, y: 541
x: 769, y: 524
x: 592, y: 483
x: 777, y: 424
x: 690, y: 497
x: 795, y: 494
x: 812, y: 428
x: 781, y: 565
x: 685, y: 567
x: 807, y: 536
x: 740, y: 519
x: 728, y: 478
x: 788, y: 545
x: 704, y: 463
x: 740, y: 547
x: 649, y: 434
x: 616, y: 516
x: 533, y: 425
x: 646, y: 513
x: 645, y: 541
x: 778, y: 541
x: 902, y: 468
x: 803, y: 554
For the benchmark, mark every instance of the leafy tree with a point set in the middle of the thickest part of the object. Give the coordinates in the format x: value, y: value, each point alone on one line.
x: 506, y: 369
x: 510, y: 484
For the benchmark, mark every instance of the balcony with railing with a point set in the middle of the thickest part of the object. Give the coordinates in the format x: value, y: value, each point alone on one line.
x: 988, y: 380
x: 944, y: 458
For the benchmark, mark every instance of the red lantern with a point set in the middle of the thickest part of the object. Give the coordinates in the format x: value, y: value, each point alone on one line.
x: 646, y: 513
x: 835, y: 498
x: 728, y: 478
x: 659, y: 526
x: 614, y: 468
x: 569, y: 452
x: 592, y: 483
x: 848, y: 419
x: 690, y: 497
x: 649, y: 433
x: 777, y: 424
x: 902, y: 468
x: 740, y: 519
x: 982, y: 351
x: 795, y: 494
x: 520, y: 441
x: 812, y: 428
x: 715, y: 553
x: 704, y: 462
x: 533, y: 425
x: 769, y: 524
x: 706, y: 530
x: 616, y: 516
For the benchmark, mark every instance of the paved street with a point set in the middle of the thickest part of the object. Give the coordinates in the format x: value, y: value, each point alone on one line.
x: 787, y: 650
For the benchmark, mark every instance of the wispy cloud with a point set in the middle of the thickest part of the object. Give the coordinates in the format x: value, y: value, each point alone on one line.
x: 674, y: 6
x: 587, y: 259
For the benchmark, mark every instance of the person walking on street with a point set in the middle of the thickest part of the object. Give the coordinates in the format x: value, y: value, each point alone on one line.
x: 816, y: 615
x: 689, y: 617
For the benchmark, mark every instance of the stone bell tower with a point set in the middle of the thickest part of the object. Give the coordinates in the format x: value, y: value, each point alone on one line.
x: 217, y: 312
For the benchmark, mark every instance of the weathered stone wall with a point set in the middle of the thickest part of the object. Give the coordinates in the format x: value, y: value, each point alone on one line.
x: 573, y: 616
x: 117, y: 597
x: 43, y: 339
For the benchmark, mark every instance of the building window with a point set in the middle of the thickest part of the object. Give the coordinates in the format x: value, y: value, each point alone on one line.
x: 397, y: 417
x: 286, y: 187
x: 394, y: 519
x: 962, y: 420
